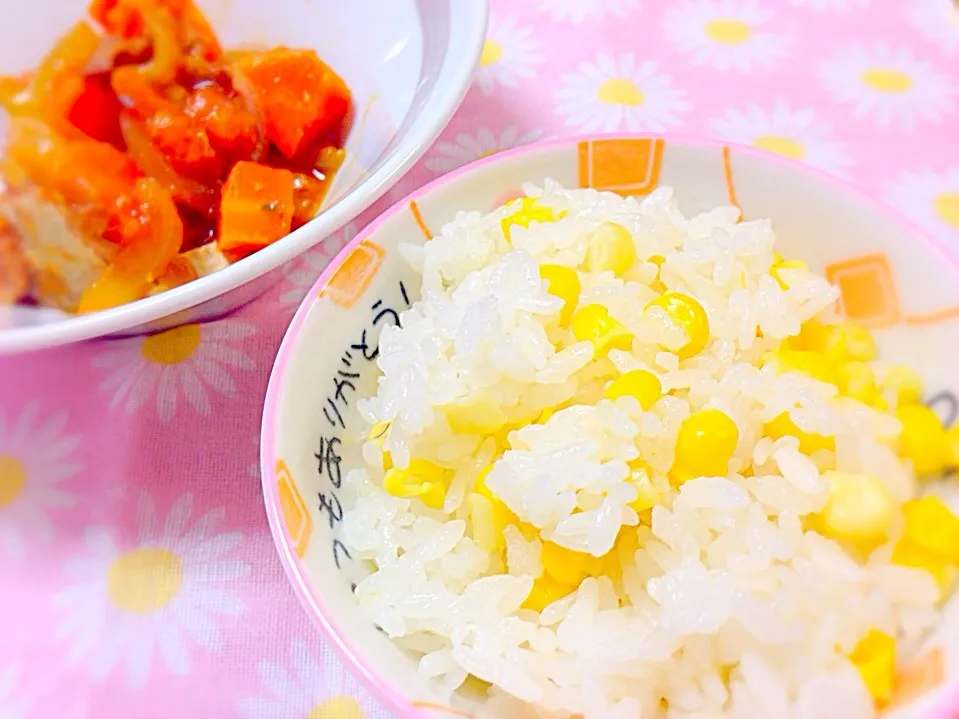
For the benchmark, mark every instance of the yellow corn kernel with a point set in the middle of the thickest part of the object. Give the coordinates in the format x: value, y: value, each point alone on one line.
x: 566, y: 566
x: 528, y: 210
x: 923, y: 439
x: 856, y: 380
x: 859, y: 508
x: 813, y: 336
x: 546, y: 590
x: 501, y: 438
x: 704, y: 446
x: 779, y: 263
x: 686, y: 312
x: 378, y: 435
x: 875, y: 658
x: 379, y: 432
x: 904, y: 382
x: 548, y: 412
x: 475, y: 416
x: 486, y: 534
x: 639, y: 383
x: 932, y: 526
x: 475, y: 685
x: 657, y: 284
x: 839, y: 343
x: 479, y: 485
x: 858, y: 342
x: 593, y: 323
x: 610, y: 249
x: 783, y: 426
x: 813, y: 364
x: 627, y: 542
x: 562, y: 282
x: 907, y: 554
x: 609, y: 566
x: 647, y: 496
x: 502, y: 515
x: 421, y: 479
x: 952, y: 438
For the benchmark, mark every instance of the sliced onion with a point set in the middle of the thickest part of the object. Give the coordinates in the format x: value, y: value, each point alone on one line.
x: 153, y: 164
x: 135, y: 267
x: 165, y: 59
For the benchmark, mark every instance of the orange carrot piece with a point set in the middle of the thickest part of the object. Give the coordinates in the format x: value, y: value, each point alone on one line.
x: 301, y: 97
x: 256, y: 208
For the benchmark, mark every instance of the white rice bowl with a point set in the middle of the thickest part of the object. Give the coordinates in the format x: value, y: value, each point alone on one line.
x: 732, y: 605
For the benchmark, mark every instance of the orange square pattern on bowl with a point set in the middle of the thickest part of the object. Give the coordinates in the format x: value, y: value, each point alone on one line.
x: 867, y: 290
x: 920, y: 677
x: 354, y: 275
x: 297, y: 519
x: 627, y: 167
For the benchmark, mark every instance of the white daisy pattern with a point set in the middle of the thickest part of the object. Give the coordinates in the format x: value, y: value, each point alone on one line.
x: 128, y: 603
x: 931, y: 200
x: 830, y: 5
x: 617, y: 93
x: 36, y: 457
x: 467, y: 147
x: 309, y: 686
x: 510, y: 54
x: 726, y: 34
x: 794, y: 133
x: 12, y: 706
x: 189, y: 362
x: 888, y: 85
x: 937, y: 20
x: 310, y: 265
x: 576, y: 11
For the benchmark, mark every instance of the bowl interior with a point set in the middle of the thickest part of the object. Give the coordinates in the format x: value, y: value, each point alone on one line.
x: 394, y: 67
x: 891, y: 280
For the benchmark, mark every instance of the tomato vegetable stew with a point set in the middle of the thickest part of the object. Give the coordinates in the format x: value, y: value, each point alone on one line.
x: 140, y: 155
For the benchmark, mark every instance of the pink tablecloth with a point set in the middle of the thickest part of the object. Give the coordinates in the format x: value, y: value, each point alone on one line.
x: 137, y: 573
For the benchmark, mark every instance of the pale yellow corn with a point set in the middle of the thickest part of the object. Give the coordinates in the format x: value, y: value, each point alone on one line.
x: 859, y: 508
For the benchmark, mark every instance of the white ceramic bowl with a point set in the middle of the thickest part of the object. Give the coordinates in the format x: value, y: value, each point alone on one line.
x: 891, y: 279
x: 408, y: 63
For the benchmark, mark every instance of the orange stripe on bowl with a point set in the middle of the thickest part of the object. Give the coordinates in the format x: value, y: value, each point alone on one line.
x: 355, y: 274
x: 627, y: 167
x: 920, y: 677
x: 730, y: 183
x: 418, y: 216
x: 933, y: 318
x: 441, y: 708
x: 296, y: 517
x: 867, y: 290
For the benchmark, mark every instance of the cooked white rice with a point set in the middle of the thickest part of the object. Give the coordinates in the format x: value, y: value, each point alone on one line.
x: 731, y: 606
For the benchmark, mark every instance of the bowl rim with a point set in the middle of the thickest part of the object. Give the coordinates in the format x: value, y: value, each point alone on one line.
x: 437, y: 111
x: 344, y: 646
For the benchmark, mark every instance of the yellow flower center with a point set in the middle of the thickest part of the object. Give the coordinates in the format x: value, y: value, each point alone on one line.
x: 947, y: 207
x: 337, y: 708
x: 172, y: 346
x: 728, y: 32
x: 144, y: 580
x: 492, y: 52
x: 781, y: 145
x: 13, y: 478
x: 886, y: 79
x: 620, y: 91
